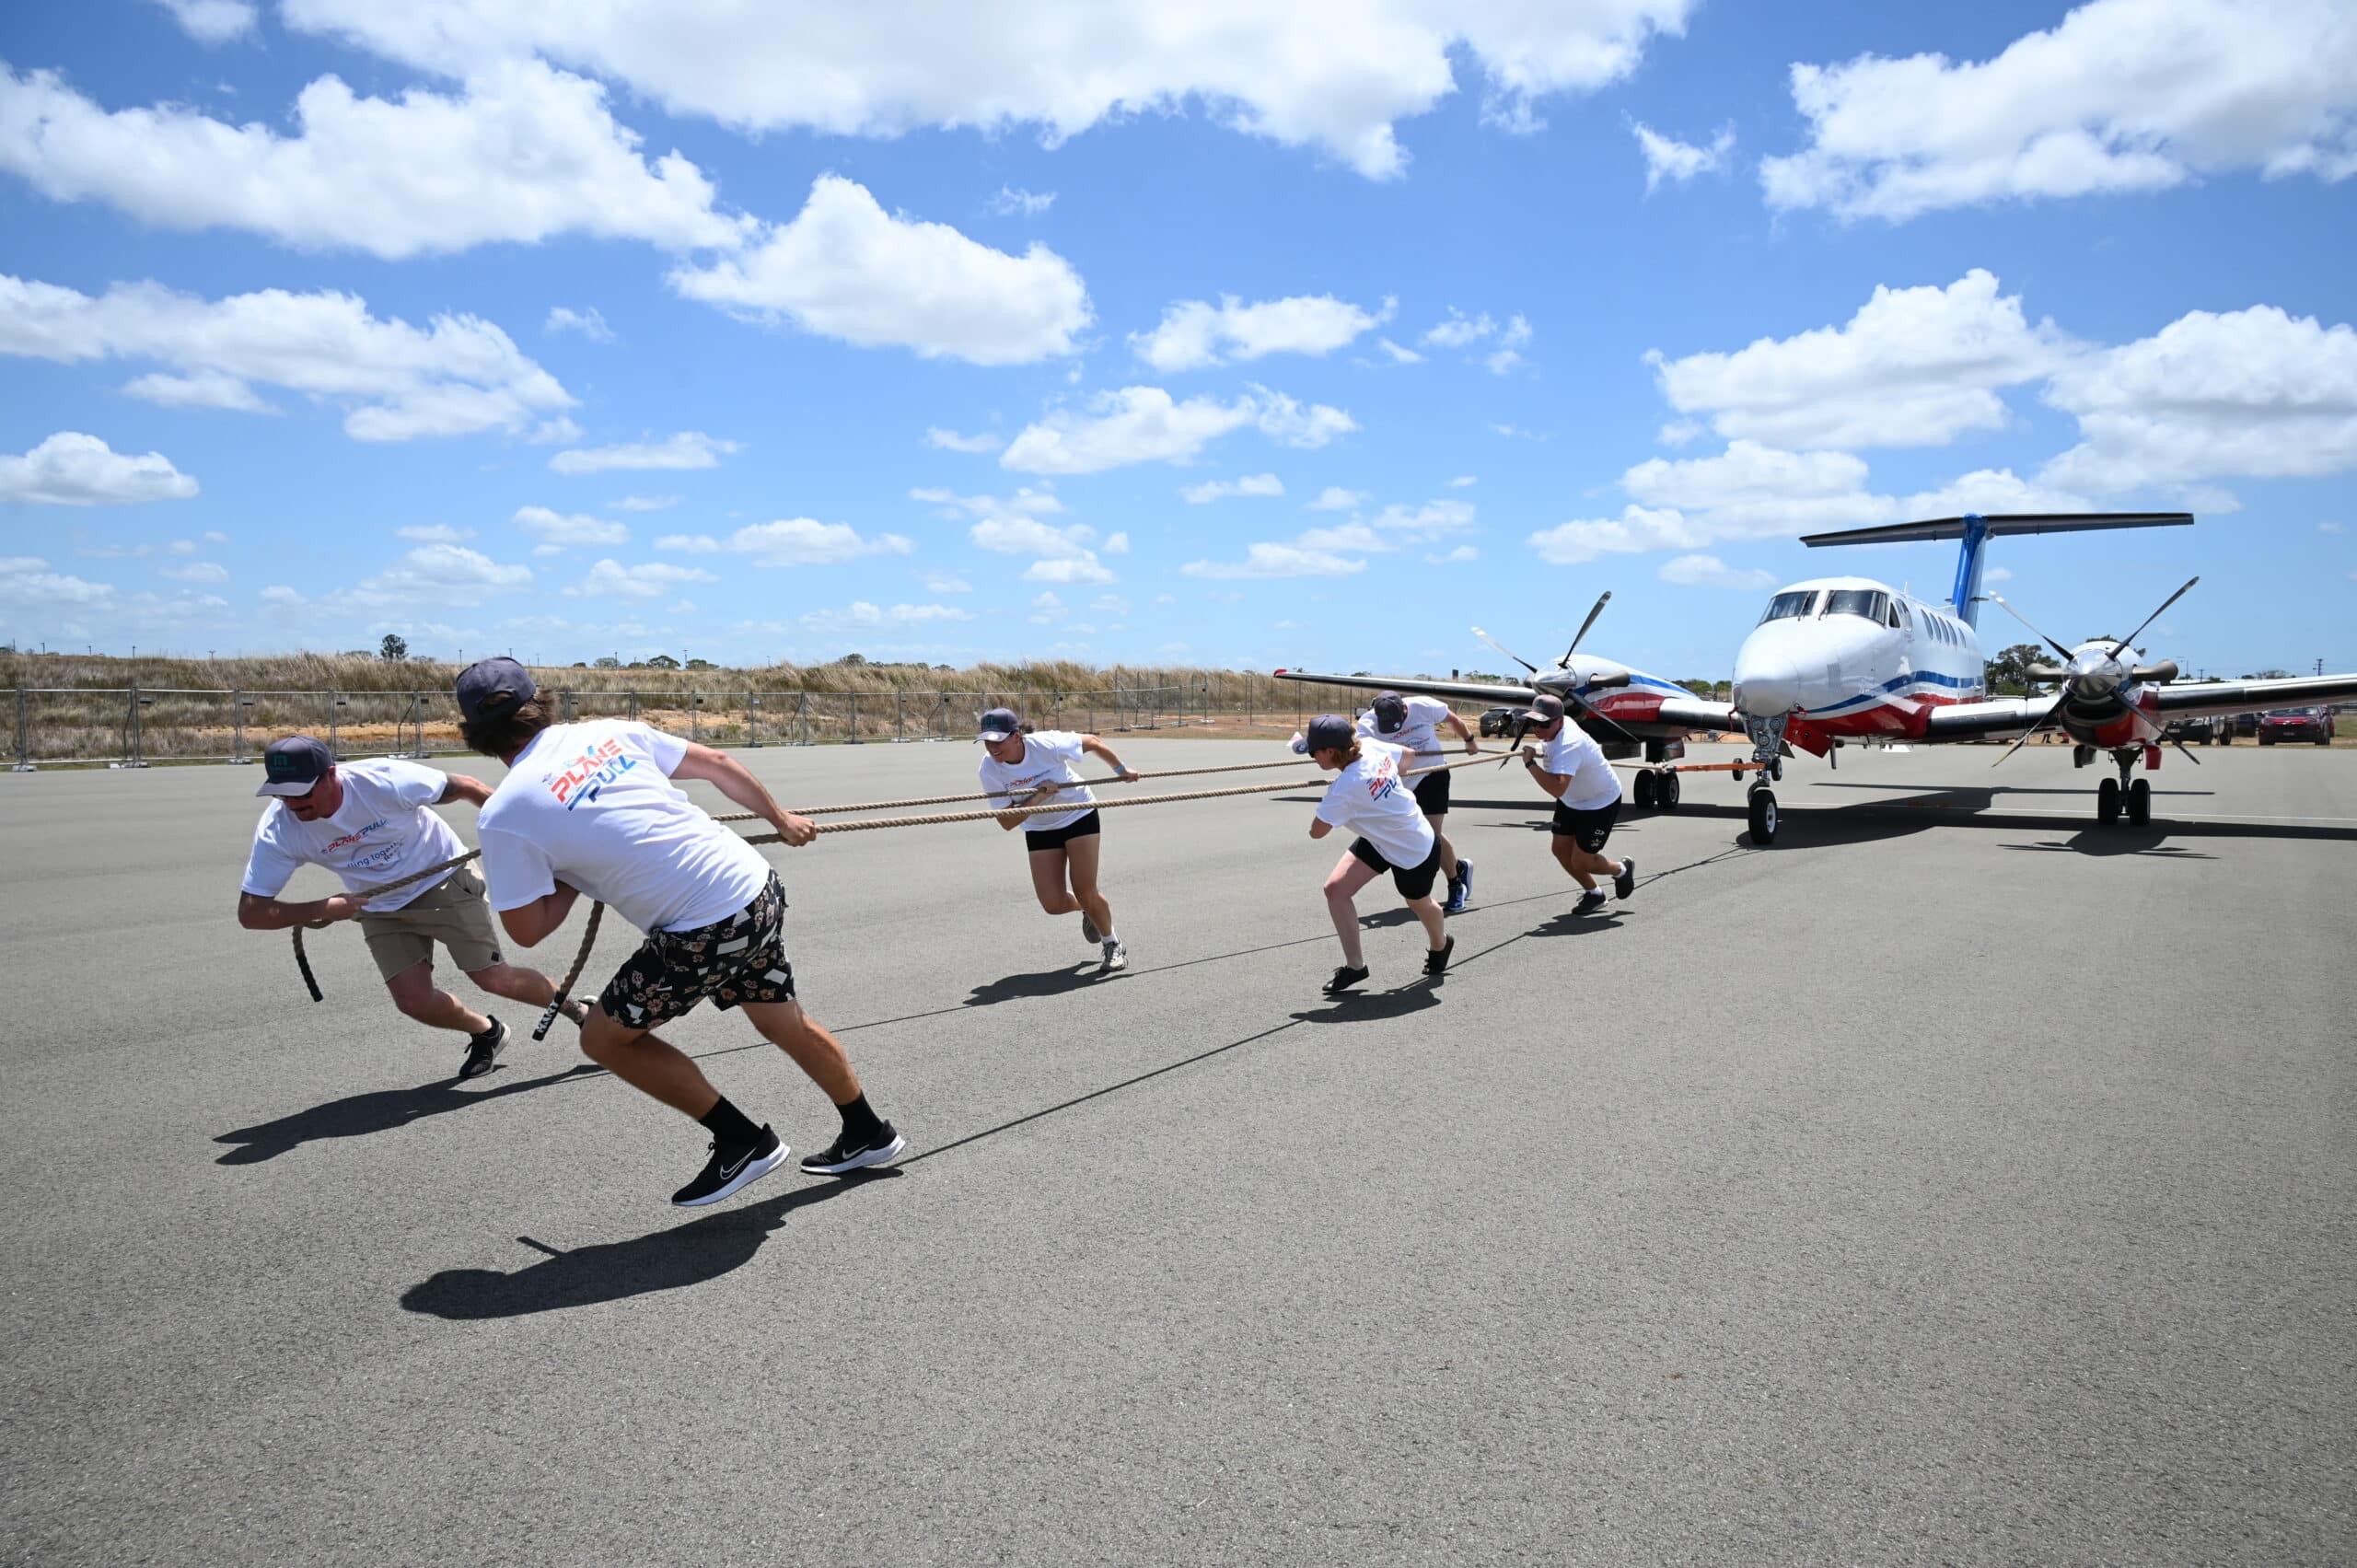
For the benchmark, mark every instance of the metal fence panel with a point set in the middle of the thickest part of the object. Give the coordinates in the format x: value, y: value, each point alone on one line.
x: 78, y: 725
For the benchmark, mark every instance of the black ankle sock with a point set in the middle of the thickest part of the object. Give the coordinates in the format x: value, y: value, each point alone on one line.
x: 859, y: 1118
x: 730, y: 1125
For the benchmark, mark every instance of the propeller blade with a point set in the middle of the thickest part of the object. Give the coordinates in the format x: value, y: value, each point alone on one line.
x: 2154, y: 616
x: 1573, y: 702
x: 1999, y: 600
x: 2188, y: 756
x: 2060, y: 698
x: 1585, y: 624
x: 1503, y: 649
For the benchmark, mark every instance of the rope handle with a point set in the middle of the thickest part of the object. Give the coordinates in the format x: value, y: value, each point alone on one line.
x: 573, y: 975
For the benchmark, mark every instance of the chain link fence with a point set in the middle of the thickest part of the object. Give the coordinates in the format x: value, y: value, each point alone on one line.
x: 136, y: 727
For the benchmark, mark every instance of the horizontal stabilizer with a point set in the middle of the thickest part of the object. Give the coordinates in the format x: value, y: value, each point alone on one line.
x: 2000, y: 523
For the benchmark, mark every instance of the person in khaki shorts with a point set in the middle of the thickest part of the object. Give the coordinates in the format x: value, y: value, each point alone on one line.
x: 367, y: 822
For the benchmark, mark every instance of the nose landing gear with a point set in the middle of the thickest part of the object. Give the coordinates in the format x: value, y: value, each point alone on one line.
x: 2131, y: 797
x: 1767, y: 751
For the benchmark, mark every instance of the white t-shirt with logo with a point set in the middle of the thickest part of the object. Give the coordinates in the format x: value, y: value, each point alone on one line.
x: 1369, y: 797
x: 1419, y: 736
x: 1574, y: 752
x: 1051, y: 756
x: 381, y: 833
x: 593, y: 805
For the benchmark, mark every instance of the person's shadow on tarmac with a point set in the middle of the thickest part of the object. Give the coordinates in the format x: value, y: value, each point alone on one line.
x: 378, y: 1111
x: 664, y: 1259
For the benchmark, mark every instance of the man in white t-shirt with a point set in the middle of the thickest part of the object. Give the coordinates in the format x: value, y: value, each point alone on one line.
x: 368, y: 822
x: 1370, y: 798
x: 1039, y: 768
x: 1415, y: 724
x: 591, y: 809
x: 1569, y: 765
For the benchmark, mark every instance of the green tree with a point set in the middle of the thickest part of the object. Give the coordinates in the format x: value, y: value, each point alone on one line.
x: 393, y: 649
x: 2008, y: 672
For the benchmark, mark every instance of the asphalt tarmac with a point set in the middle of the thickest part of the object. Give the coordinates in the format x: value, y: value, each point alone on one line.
x: 1956, y: 1181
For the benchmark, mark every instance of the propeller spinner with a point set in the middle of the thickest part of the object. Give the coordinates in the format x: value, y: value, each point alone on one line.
x: 2091, y: 672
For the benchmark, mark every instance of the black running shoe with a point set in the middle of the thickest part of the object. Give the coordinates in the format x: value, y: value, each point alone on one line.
x: 729, y: 1170
x: 1344, y: 978
x: 1590, y: 902
x: 848, y: 1154
x: 1436, y: 961
x: 483, y: 1049
x: 1626, y: 883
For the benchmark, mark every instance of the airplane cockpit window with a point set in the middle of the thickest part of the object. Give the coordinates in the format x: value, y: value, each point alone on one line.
x: 1789, y: 606
x: 1869, y: 602
x: 1890, y: 614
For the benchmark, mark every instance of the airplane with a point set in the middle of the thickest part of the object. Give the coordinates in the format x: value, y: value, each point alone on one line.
x: 1837, y: 661
x: 1630, y: 712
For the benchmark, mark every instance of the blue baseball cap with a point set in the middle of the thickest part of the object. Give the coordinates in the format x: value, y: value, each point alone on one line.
x: 1329, y: 732
x: 1390, y: 713
x: 494, y: 685
x: 999, y: 724
x: 293, y: 765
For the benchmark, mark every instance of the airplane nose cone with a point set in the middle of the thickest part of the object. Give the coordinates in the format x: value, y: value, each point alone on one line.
x: 1766, y: 683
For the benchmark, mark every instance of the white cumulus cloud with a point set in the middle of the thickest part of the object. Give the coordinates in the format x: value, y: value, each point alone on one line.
x: 793, y: 542
x: 1675, y: 161
x: 1195, y: 335
x: 844, y: 268
x: 212, y: 21
x: 1710, y: 572
x: 562, y: 531
x: 2121, y: 94
x: 589, y: 323
x: 1221, y: 489
x: 648, y: 579
x: 522, y: 154
x: 1276, y: 561
x: 70, y: 468
x: 1142, y: 424
x: 688, y: 450
x: 460, y: 374
x: 1335, y: 75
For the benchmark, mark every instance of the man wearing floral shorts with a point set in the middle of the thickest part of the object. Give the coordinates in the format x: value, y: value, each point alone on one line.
x: 592, y: 808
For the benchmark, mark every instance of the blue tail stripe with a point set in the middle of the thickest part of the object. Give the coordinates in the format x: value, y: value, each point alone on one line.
x: 1965, y: 597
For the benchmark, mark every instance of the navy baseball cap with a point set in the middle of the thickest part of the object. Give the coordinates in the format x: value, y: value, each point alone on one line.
x: 1329, y: 732
x: 492, y: 686
x: 1390, y: 713
x: 999, y: 724
x: 1542, y: 711
x: 293, y: 765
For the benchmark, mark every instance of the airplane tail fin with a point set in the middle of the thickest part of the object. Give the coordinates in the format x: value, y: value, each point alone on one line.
x: 1976, y: 532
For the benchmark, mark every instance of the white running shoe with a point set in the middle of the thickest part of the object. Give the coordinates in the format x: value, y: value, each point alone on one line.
x: 1116, y: 955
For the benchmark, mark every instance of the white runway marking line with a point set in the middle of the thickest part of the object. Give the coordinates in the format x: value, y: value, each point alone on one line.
x: 2171, y: 816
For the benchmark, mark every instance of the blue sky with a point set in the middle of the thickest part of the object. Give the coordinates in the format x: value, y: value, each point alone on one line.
x: 1233, y: 338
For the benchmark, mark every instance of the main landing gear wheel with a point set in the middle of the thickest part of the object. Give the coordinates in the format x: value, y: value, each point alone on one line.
x: 1666, y: 793
x: 1645, y: 792
x: 1763, y: 816
x: 2140, y: 802
x: 2107, y: 802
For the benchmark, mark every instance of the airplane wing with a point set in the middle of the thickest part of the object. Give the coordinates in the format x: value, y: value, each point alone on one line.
x: 1462, y: 690
x: 2211, y: 697
x: 1993, y: 717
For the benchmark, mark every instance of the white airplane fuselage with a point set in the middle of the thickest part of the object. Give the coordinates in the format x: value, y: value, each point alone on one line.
x: 1850, y: 657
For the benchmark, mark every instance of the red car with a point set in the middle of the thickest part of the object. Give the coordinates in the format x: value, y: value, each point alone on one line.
x: 2296, y: 723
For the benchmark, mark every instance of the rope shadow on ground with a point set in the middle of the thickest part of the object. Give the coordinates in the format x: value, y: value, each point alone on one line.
x: 377, y: 1111
x: 672, y: 1259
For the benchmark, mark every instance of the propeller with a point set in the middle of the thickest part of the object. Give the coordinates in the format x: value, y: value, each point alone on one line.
x: 2090, y: 672
x: 1578, y: 705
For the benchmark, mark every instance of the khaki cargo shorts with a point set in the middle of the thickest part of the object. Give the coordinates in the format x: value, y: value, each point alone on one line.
x: 453, y: 911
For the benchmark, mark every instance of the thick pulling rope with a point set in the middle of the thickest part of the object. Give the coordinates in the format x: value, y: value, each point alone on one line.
x: 961, y: 799
x: 303, y: 959
x: 597, y: 911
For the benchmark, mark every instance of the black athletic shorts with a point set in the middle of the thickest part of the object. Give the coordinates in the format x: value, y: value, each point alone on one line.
x: 741, y: 959
x: 1056, y: 837
x: 1586, y: 828
x: 1413, y: 882
x: 1432, y: 792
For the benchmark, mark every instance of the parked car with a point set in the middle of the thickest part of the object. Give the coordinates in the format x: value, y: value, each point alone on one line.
x: 2245, y: 724
x: 2296, y: 723
x: 2200, y: 731
x: 1499, y: 721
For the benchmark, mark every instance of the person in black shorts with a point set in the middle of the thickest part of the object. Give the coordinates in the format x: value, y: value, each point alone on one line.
x: 1024, y: 767
x: 1371, y: 799
x: 1415, y: 722
x: 1571, y: 767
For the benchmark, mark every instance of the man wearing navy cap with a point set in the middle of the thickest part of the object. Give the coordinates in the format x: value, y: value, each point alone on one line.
x: 1570, y: 766
x: 367, y: 822
x: 592, y: 808
x: 1024, y: 767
